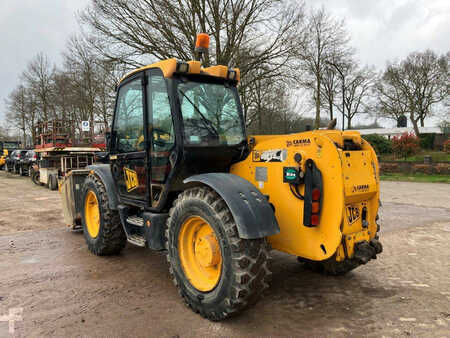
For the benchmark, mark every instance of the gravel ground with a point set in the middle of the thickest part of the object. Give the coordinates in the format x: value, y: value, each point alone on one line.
x: 63, y: 290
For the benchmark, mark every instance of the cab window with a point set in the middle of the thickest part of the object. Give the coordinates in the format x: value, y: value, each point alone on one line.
x: 160, y: 113
x: 128, y: 125
x: 161, y: 125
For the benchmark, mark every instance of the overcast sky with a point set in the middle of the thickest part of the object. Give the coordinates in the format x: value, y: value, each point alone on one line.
x: 381, y: 30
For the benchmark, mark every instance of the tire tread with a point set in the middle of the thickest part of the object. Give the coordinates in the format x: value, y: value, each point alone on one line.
x: 250, y: 259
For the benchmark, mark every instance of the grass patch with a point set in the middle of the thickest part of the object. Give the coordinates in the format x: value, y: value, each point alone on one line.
x: 436, y: 156
x: 416, y: 178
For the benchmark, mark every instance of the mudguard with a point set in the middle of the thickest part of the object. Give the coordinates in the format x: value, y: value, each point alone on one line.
x: 251, y: 210
x: 103, y: 171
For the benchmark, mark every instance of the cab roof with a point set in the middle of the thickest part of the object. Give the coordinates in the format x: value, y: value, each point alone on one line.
x: 170, y: 66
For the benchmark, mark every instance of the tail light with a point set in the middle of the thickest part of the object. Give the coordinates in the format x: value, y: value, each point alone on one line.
x: 313, y: 195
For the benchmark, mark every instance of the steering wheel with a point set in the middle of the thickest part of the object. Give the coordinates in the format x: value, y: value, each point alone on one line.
x: 161, y: 137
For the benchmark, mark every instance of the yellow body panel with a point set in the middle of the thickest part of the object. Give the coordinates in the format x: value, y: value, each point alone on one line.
x: 3, y: 157
x: 350, y: 178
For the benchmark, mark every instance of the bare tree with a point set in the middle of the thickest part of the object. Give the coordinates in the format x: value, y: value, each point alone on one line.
x: 16, y: 104
x: 39, y: 78
x: 323, y: 39
x: 357, y: 92
x: 92, y: 82
x: 132, y: 31
x: 414, y: 86
x: 253, y: 35
x: 330, y: 89
x: 390, y: 101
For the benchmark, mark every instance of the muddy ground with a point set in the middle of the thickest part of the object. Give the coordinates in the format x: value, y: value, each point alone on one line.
x: 65, y: 291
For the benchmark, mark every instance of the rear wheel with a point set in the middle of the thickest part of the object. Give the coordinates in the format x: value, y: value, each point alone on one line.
x: 52, y: 182
x: 217, y: 273
x: 21, y: 173
x: 35, y: 177
x: 102, y: 228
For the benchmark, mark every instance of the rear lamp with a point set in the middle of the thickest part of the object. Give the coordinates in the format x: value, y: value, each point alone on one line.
x: 183, y: 67
x: 316, y: 194
x: 315, y: 219
x: 315, y: 207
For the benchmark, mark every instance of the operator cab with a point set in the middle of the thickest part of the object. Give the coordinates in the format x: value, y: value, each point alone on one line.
x: 172, y: 112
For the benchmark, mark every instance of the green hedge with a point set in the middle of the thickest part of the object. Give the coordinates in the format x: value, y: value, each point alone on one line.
x: 380, y: 144
x: 427, y: 140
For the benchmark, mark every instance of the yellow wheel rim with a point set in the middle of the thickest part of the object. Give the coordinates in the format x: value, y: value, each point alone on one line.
x: 92, y: 214
x: 200, y: 254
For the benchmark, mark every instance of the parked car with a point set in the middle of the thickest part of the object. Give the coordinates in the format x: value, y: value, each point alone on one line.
x: 12, y: 161
x: 26, y: 162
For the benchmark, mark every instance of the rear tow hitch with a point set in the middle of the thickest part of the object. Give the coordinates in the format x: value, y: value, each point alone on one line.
x: 365, y: 251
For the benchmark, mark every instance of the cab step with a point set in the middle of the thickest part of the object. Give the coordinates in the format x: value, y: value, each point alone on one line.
x: 136, y: 240
x: 135, y: 220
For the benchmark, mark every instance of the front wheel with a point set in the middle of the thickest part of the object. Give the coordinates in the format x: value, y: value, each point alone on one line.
x: 102, y: 227
x: 35, y: 177
x: 52, y: 182
x: 217, y: 273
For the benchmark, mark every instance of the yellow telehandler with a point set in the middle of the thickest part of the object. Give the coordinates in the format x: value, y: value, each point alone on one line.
x: 184, y: 177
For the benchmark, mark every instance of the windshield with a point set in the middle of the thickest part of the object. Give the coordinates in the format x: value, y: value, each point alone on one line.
x: 210, y: 113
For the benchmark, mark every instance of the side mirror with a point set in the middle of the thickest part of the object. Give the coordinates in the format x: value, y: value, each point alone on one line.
x: 107, y: 136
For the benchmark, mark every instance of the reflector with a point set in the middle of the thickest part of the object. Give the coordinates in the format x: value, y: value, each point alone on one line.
x: 314, y: 219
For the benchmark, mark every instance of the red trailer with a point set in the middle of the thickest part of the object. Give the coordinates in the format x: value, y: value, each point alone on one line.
x: 64, y: 145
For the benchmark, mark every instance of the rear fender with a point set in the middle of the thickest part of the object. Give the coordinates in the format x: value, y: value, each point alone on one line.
x: 251, y: 211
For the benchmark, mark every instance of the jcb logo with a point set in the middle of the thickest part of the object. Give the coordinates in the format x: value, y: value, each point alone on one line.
x: 352, y: 214
x: 131, y: 179
x: 359, y: 188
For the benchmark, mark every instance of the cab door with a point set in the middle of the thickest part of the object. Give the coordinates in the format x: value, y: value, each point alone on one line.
x: 128, y: 142
x: 161, y: 133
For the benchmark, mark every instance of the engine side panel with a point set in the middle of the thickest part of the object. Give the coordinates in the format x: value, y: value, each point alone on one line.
x: 264, y: 169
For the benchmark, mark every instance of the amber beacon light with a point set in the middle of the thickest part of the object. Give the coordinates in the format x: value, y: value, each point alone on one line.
x: 201, y: 44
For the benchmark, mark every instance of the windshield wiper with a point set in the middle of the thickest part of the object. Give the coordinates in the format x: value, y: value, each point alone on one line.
x: 208, y: 124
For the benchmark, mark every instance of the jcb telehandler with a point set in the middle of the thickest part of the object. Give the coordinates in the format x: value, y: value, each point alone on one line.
x: 183, y: 176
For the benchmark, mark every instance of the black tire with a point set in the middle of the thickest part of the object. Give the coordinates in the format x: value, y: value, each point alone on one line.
x: 52, y: 182
x: 21, y: 171
x: 245, y: 263
x: 35, y: 177
x: 111, y: 238
x: 330, y: 266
